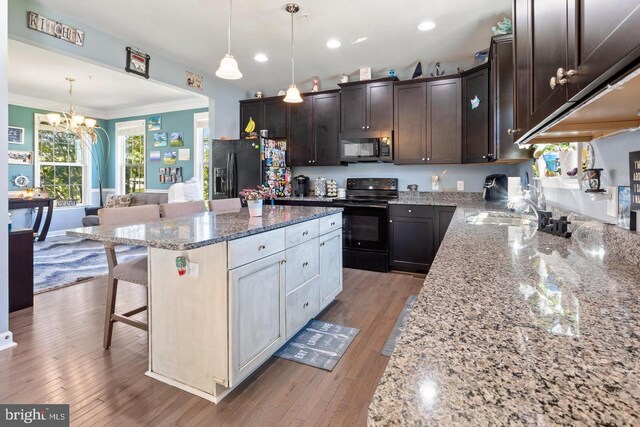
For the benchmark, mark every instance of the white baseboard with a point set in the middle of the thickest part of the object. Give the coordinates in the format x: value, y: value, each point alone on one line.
x: 6, y: 341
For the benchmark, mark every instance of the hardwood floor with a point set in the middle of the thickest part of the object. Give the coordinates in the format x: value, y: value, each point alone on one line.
x: 59, y: 359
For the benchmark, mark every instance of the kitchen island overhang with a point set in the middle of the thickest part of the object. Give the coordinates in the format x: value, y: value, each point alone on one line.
x: 258, y: 281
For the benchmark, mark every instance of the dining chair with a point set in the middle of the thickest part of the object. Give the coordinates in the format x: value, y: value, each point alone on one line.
x: 134, y: 271
x: 225, y: 205
x: 176, y: 210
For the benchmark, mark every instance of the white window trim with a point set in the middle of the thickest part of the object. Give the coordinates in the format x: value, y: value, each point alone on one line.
x: 87, y: 165
x: 198, y: 149
x: 119, y: 152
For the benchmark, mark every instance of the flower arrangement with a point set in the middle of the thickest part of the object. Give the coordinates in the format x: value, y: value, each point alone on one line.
x: 259, y: 193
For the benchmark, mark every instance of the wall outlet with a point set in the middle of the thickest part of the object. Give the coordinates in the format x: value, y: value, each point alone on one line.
x: 460, y: 185
x: 435, y: 182
x: 194, y: 269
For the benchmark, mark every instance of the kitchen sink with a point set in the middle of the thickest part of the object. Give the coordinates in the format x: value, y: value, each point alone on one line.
x: 498, y: 218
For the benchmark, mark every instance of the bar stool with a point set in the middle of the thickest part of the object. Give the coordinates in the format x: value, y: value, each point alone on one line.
x: 134, y: 271
x: 225, y: 205
x: 176, y: 210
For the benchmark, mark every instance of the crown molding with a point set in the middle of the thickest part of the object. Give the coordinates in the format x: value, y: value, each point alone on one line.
x: 158, y: 108
x: 116, y: 113
x: 53, y: 106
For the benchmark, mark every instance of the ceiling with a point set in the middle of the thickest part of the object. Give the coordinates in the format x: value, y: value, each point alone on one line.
x: 195, y: 31
x: 96, y: 88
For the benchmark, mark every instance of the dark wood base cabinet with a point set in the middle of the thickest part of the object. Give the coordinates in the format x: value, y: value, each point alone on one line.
x: 20, y: 269
x: 415, y: 234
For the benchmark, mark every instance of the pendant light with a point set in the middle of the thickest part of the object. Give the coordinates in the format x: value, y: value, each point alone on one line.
x: 228, y: 65
x: 293, y: 94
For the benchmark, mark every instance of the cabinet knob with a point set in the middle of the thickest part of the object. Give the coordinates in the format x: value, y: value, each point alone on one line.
x: 512, y: 132
x: 322, y: 244
x: 305, y: 305
x: 410, y: 211
x: 428, y: 158
x: 363, y: 127
x: 304, y: 233
x: 309, y: 161
x: 313, y: 161
x: 390, y: 220
x: 333, y: 223
x: 368, y: 127
x: 484, y: 157
x: 304, y: 264
x: 284, y: 261
x: 262, y: 247
x: 423, y: 159
x: 553, y: 83
x: 562, y: 77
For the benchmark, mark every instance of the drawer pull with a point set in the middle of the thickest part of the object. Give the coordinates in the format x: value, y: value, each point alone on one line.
x: 333, y: 223
x: 304, y: 264
x: 262, y: 247
x: 305, y: 305
x: 304, y: 233
x: 322, y: 244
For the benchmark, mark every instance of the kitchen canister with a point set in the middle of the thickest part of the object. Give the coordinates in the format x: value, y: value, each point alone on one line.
x: 321, y: 187
x: 332, y: 188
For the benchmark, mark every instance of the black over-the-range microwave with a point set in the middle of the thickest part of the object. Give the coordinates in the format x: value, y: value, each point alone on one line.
x: 366, y: 147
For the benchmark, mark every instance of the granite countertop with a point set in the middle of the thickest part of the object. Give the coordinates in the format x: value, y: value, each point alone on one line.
x: 203, y: 229
x: 310, y: 199
x: 518, y: 327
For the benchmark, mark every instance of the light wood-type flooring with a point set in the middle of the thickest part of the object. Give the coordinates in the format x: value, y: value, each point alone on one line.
x: 60, y: 359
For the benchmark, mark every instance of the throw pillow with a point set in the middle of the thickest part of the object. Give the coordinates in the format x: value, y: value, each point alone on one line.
x: 118, y: 201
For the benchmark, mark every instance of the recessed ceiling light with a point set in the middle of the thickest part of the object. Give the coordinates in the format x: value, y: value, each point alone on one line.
x: 427, y: 25
x: 359, y: 40
x: 261, y: 57
x: 334, y: 44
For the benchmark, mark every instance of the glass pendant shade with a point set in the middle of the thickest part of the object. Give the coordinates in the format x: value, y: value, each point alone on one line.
x: 90, y: 123
x: 229, y: 68
x: 77, y: 120
x: 54, y: 118
x: 293, y: 95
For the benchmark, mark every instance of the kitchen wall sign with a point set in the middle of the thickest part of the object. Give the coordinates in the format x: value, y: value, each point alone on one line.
x: 54, y: 28
x: 16, y: 135
x: 634, y: 181
x: 194, y: 80
x: 137, y: 62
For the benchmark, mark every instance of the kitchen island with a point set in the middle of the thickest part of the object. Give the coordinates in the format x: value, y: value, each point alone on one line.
x: 250, y: 284
x: 518, y: 327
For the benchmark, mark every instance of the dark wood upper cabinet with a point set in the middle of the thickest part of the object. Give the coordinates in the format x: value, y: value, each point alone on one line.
x: 326, y: 128
x: 522, y: 67
x: 367, y: 106
x: 251, y: 109
x: 444, y: 121
x: 605, y: 37
x: 475, y: 116
x: 300, y: 145
x: 502, y: 94
x: 314, y: 130
x: 275, y: 117
x: 410, y: 123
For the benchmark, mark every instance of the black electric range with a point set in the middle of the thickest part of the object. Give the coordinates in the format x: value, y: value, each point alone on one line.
x: 365, y: 220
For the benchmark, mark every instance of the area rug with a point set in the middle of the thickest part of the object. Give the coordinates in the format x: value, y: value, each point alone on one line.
x: 387, y: 350
x: 62, y: 261
x: 319, y: 344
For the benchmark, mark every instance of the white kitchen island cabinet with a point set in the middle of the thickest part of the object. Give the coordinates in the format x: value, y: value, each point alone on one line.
x: 250, y: 286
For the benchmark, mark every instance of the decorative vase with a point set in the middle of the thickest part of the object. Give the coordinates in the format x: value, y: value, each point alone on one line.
x: 255, y: 207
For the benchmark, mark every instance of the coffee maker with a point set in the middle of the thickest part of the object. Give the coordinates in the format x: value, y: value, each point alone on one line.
x: 301, y: 186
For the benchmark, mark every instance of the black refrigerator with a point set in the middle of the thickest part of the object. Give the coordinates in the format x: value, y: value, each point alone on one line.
x: 235, y: 164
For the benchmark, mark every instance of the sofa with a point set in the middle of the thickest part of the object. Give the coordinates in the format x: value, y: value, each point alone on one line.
x: 137, y: 199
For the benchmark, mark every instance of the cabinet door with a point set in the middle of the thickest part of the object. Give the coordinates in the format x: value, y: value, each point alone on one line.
x: 522, y: 67
x: 353, y: 106
x: 252, y: 110
x: 608, y: 34
x: 326, y: 129
x: 411, y: 244
x: 410, y: 124
x: 443, y: 217
x: 275, y: 118
x: 475, y: 117
x: 444, y: 121
x: 300, y: 139
x: 256, y: 310
x: 380, y: 106
x: 330, y: 266
x: 548, y: 52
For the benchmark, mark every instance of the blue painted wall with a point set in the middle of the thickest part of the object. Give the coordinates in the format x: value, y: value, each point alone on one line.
x: 176, y: 121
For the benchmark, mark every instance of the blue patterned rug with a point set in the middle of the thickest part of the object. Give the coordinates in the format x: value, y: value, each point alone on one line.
x: 62, y: 261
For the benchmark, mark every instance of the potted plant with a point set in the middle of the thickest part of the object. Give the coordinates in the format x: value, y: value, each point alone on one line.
x: 254, y: 198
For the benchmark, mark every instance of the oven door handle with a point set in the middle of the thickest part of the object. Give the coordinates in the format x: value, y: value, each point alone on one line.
x: 358, y: 205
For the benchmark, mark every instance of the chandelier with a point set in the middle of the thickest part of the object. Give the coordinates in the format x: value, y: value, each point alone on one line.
x: 88, y: 131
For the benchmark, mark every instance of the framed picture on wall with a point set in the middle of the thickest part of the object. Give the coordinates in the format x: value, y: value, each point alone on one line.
x: 16, y: 135
x: 154, y: 123
x: 160, y: 139
x: 154, y: 156
x: 137, y: 62
x: 177, y: 139
x: 19, y: 157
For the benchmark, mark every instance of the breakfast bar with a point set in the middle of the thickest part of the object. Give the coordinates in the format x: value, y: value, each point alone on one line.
x: 228, y: 290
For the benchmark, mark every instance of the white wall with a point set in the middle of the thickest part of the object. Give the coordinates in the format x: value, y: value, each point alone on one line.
x: 6, y: 339
x: 472, y: 175
x: 612, y: 155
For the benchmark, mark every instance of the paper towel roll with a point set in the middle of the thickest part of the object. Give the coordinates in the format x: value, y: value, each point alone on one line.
x: 513, y: 183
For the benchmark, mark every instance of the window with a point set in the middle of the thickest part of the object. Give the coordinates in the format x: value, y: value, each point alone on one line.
x: 202, y: 150
x: 61, y: 163
x: 130, y: 157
